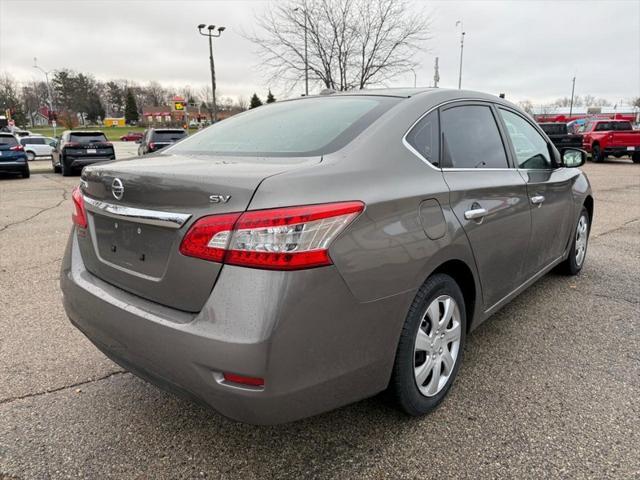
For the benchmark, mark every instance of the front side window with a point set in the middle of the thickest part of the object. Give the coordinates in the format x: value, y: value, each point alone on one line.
x: 530, y: 147
x: 471, y: 138
x: 313, y: 126
x: 425, y: 138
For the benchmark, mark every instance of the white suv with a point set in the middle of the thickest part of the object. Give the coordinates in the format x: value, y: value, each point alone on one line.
x: 37, y: 146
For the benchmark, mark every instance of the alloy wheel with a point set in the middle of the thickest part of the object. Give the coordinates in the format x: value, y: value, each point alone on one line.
x: 582, y: 231
x: 437, y: 345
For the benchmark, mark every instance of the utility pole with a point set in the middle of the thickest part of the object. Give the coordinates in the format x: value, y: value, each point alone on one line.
x: 573, y: 88
x: 46, y: 76
x: 211, y: 34
x: 462, y: 32
x: 306, y: 54
x: 436, y: 74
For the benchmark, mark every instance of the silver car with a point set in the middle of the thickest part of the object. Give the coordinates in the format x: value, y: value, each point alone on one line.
x: 314, y: 252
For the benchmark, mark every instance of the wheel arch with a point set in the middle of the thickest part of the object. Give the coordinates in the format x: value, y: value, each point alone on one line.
x: 588, y: 204
x: 464, y: 277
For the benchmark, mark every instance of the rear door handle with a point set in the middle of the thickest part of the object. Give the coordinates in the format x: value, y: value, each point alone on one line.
x: 537, y: 199
x: 475, y: 214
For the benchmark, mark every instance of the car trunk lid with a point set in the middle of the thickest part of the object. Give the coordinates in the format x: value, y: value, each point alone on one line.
x: 139, y: 210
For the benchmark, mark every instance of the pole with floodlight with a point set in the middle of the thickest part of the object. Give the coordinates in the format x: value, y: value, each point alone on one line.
x: 211, y: 33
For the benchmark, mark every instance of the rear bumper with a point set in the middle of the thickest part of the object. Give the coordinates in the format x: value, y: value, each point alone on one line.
x: 303, y: 332
x: 620, y: 150
x: 76, y: 162
x: 14, y: 165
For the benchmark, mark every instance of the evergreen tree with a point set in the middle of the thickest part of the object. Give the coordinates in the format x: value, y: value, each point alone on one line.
x: 94, y: 108
x: 270, y: 97
x: 130, y: 108
x: 255, y: 101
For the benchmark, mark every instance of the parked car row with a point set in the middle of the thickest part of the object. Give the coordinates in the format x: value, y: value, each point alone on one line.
x: 75, y: 149
x: 600, y: 138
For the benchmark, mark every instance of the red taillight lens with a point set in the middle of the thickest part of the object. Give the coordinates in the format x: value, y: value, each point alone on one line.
x: 208, y: 237
x: 152, y: 145
x: 289, y: 238
x: 17, y: 148
x: 253, y: 381
x: 71, y: 144
x: 79, y: 215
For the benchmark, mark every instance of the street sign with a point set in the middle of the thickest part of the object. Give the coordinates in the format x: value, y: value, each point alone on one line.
x: 178, y: 105
x: 54, y: 124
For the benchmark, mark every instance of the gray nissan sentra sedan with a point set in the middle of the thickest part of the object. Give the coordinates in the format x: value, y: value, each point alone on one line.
x: 314, y: 252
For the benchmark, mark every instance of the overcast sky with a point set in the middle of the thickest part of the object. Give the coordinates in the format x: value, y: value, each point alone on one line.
x: 527, y: 49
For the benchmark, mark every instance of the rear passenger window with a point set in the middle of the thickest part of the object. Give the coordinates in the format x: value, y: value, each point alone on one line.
x: 471, y: 138
x: 425, y: 138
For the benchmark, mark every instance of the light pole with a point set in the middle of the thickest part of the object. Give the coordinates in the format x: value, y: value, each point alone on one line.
x: 46, y: 76
x: 211, y: 34
x: 306, y: 58
x: 573, y: 88
x: 462, y: 32
x: 415, y: 77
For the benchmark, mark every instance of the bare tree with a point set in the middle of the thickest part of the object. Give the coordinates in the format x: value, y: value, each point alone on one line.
x: 351, y: 43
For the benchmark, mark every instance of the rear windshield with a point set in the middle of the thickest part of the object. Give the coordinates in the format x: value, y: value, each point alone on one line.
x: 606, y: 126
x: 311, y: 126
x: 82, y: 137
x: 554, y: 128
x: 8, y: 140
x: 168, y: 135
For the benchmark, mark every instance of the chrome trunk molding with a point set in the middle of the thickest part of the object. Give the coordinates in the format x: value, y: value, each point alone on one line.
x: 139, y: 215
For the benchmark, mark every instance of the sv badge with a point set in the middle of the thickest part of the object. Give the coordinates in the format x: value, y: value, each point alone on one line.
x: 219, y: 198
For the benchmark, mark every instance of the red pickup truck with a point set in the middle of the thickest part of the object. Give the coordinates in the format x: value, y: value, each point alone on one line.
x: 611, y: 137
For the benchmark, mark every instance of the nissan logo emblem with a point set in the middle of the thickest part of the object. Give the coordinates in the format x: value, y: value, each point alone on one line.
x: 117, y: 189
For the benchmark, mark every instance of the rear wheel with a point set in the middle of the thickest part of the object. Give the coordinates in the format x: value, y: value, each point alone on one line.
x: 636, y: 157
x: 430, y: 347
x: 597, y: 154
x: 64, y: 168
x: 26, y: 173
x: 573, y: 264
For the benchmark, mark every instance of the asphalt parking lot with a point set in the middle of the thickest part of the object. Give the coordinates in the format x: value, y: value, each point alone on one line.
x: 549, y: 388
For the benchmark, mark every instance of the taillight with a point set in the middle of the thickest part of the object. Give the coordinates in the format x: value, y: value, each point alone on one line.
x: 17, y: 148
x: 290, y: 238
x: 79, y: 215
x: 241, y: 379
x: 208, y: 237
x: 152, y: 145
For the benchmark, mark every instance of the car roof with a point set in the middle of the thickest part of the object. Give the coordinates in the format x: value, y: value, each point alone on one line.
x: 168, y: 129
x: 91, y: 132
x: 386, y: 92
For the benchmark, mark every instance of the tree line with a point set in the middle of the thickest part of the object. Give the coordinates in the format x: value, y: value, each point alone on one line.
x: 81, y: 95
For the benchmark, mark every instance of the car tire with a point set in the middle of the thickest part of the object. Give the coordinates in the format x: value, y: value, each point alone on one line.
x: 26, y: 173
x: 636, y: 157
x: 31, y: 156
x: 64, y: 168
x: 597, y: 154
x: 421, y: 374
x: 578, y: 252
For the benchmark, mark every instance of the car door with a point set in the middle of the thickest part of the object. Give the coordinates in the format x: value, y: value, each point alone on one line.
x: 548, y: 188
x: 488, y: 197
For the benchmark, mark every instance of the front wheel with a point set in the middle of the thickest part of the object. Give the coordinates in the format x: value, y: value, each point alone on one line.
x: 430, y: 348
x: 31, y: 156
x: 573, y: 264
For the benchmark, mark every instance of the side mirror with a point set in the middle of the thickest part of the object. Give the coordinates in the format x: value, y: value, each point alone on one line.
x: 573, y: 157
